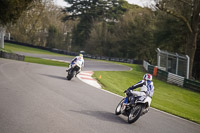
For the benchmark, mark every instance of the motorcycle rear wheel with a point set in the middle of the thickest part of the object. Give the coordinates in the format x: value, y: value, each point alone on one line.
x: 135, y: 113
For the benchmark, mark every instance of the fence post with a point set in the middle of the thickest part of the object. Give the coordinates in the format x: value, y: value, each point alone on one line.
x: 158, y: 56
x: 176, y: 64
x: 1, y: 39
x: 188, y: 66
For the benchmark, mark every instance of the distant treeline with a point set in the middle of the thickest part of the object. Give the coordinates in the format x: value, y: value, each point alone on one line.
x: 60, y: 51
x: 120, y: 30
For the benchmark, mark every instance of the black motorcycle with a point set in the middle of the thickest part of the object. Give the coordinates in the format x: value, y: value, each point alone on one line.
x: 134, y: 111
x: 73, y: 71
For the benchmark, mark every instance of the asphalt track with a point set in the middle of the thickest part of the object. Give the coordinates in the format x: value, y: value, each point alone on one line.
x: 37, y: 98
x: 90, y: 65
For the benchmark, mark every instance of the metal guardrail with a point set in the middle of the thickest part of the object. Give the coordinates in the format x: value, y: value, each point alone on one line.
x: 11, y: 56
x: 192, y: 84
x: 150, y: 69
x: 163, y: 75
x: 175, y: 79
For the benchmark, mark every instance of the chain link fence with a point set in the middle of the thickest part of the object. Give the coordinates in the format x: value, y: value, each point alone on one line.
x: 173, y: 63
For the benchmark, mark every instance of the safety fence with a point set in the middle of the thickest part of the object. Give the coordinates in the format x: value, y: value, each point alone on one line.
x: 171, y: 78
x: 11, y: 56
x: 123, y: 60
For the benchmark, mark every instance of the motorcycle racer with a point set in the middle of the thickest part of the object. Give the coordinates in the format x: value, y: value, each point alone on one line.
x: 76, y: 59
x: 146, y: 89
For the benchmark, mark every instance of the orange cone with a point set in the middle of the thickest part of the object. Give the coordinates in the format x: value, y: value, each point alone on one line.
x: 99, y: 76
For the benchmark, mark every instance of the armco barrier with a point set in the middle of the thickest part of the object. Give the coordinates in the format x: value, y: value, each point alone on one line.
x: 162, y: 75
x: 150, y: 69
x: 194, y: 85
x: 11, y: 56
x: 175, y: 79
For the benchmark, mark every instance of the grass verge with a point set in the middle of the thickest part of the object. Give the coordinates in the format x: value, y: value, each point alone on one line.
x: 167, y: 97
x: 19, y: 48
x: 9, y: 47
x: 45, y: 61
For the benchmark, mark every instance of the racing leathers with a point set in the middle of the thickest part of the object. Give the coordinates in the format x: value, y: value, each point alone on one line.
x: 146, y: 89
x: 74, y: 61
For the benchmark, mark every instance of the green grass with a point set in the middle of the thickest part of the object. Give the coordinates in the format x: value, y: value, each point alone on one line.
x: 19, y: 48
x: 167, y: 97
x: 9, y: 47
x: 45, y: 61
x: 5, y: 50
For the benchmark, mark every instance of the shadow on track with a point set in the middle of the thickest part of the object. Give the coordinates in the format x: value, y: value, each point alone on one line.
x: 102, y: 115
x: 54, y: 76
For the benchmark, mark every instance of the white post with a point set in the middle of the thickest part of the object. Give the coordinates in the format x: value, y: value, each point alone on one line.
x: 188, y: 66
x: 2, y: 40
x: 2, y: 34
x: 9, y: 36
x: 158, y: 57
x: 177, y: 64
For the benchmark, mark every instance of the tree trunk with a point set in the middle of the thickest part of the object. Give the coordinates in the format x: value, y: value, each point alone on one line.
x: 192, y: 40
x: 191, y: 49
x: 196, y: 65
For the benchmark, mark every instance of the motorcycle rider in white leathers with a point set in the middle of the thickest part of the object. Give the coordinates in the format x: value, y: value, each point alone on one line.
x: 76, y: 59
x: 146, y: 89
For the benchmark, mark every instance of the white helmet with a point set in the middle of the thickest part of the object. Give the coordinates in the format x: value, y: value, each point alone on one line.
x: 147, y: 77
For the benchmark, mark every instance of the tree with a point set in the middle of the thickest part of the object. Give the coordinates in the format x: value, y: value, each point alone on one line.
x: 33, y: 26
x: 30, y: 23
x: 169, y: 33
x: 10, y: 11
x: 133, y: 34
x: 87, y: 12
x: 131, y: 37
x: 52, y: 35
x: 186, y: 11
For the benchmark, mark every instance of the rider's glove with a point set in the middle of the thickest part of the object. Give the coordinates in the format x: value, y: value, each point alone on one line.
x: 126, y: 91
x: 130, y: 88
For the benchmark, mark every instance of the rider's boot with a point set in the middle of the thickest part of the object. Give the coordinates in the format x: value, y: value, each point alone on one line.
x: 132, y: 101
x: 77, y: 73
x: 145, y: 111
x: 124, y: 104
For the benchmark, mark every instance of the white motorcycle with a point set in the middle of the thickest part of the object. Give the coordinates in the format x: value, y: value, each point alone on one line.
x: 75, y: 69
x: 133, y: 112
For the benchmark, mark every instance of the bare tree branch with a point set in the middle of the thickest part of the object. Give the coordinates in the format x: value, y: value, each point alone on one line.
x: 190, y: 4
x: 179, y: 16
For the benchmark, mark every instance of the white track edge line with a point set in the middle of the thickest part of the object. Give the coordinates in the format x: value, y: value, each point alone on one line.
x: 150, y: 107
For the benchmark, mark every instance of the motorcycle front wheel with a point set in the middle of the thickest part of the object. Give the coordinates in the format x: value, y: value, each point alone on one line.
x: 135, y: 113
x: 118, y: 108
